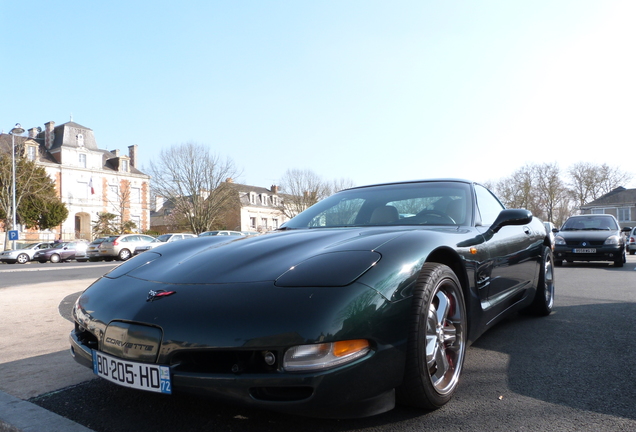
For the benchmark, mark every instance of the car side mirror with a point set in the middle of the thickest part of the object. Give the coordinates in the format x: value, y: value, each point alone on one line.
x: 626, y: 229
x: 511, y: 217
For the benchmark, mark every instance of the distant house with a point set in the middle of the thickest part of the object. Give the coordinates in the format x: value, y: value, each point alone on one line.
x: 89, y: 180
x: 256, y: 209
x: 620, y: 202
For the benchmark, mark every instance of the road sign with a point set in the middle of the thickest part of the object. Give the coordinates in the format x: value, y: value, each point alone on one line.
x: 13, y: 235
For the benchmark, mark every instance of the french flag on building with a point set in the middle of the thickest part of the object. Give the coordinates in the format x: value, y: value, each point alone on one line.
x: 90, y: 185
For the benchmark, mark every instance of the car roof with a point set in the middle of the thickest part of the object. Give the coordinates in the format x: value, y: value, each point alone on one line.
x: 433, y: 180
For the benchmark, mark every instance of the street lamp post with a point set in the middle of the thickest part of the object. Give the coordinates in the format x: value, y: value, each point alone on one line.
x: 16, y: 130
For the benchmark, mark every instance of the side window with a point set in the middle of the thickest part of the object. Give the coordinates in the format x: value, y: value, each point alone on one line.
x: 489, y: 206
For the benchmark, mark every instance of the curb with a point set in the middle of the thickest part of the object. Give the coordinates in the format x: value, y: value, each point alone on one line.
x: 17, y: 415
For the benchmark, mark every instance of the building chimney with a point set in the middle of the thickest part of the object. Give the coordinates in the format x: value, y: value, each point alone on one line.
x: 115, y: 152
x: 274, y: 189
x: 33, y: 133
x: 132, y: 154
x: 229, y: 180
x: 49, y: 134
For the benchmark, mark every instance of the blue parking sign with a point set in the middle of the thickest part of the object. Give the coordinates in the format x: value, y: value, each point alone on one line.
x: 13, y: 235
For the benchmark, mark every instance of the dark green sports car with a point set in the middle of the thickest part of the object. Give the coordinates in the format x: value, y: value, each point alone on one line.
x: 369, y: 297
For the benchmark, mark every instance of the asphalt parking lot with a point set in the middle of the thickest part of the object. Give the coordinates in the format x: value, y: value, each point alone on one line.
x: 570, y: 371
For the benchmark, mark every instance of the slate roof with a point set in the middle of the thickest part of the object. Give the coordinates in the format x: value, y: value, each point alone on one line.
x: 618, y: 197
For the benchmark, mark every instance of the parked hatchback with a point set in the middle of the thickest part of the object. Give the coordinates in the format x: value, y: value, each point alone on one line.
x: 61, y: 251
x: 92, y: 252
x: 591, y: 237
x: 23, y: 253
x: 121, y: 247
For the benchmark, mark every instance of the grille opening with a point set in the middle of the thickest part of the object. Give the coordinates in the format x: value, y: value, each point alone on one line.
x: 85, y: 337
x: 225, y: 362
x: 281, y: 394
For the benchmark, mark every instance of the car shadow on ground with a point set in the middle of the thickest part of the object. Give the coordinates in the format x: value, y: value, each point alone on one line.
x: 579, y: 358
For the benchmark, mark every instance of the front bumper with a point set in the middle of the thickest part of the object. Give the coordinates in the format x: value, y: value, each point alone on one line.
x: 363, y: 388
x: 601, y: 253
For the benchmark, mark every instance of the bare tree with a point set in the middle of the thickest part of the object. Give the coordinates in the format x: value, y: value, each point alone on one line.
x: 538, y: 188
x: 194, y: 180
x: 552, y: 193
x: 304, y: 188
x: 120, y: 202
x: 589, y: 182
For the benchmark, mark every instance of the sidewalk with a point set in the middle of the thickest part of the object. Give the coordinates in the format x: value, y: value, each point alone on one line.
x: 34, y: 354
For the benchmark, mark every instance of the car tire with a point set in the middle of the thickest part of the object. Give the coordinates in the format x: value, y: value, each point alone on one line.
x: 438, y: 316
x: 124, y: 254
x: 544, y: 298
x: 22, y: 258
x: 55, y: 258
x: 620, y: 261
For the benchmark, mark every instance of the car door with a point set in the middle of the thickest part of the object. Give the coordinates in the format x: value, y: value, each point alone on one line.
x: 514, y: 254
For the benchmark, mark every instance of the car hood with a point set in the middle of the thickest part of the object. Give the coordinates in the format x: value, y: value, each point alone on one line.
x: 219, y: 260
x: 591, y: 235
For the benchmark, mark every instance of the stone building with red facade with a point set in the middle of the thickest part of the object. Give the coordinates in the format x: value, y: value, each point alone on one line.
x: 89, y: 180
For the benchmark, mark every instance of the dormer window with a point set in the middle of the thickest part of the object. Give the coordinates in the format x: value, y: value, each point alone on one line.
x: 264, y: 199
x: 252, y: 198
x: 32, y: 152
x: 80, y: 140
x: 124, y: 165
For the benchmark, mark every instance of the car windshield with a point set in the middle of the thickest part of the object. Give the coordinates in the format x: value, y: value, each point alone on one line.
x: 164, y: 238
x: 60, y: 245
x: 605, y: 223
x: 99, y: 240
x: 423, y: 203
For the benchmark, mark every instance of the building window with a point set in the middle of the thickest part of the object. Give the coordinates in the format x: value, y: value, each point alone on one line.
x: 264, y: 223
x: 253, y: 222
x: 274, y: 223
x: 264, y: 199
x: 252, y: 198
x: 114, y: 190
x: 135, y: 195
x: 124, y: 165
x: 623, y: 214
x: 82, y: 160
x: 31, y: 153
x: 274, y: 200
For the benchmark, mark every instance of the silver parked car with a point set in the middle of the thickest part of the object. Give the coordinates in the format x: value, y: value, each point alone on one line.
x: 121, y: 247
x: 631, y: 241
x: 23, y: 253
x: 222, y: 232
x: 163, y: 239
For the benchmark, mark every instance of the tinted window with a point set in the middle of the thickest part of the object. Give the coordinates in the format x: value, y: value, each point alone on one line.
x: 424, y: 203
x: 489, y: 206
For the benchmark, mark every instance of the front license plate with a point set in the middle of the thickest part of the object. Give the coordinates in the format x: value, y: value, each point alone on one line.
x: 584, y: 251
x: 142, y: 376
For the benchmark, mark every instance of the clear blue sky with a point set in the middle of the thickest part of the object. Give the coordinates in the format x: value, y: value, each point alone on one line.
x: 372, y: 91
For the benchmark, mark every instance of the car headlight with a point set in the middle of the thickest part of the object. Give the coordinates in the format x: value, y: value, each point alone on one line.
x: 329, y: 270
x: 612, y: 240
x: 322, y: 356
x: 558, y: 240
